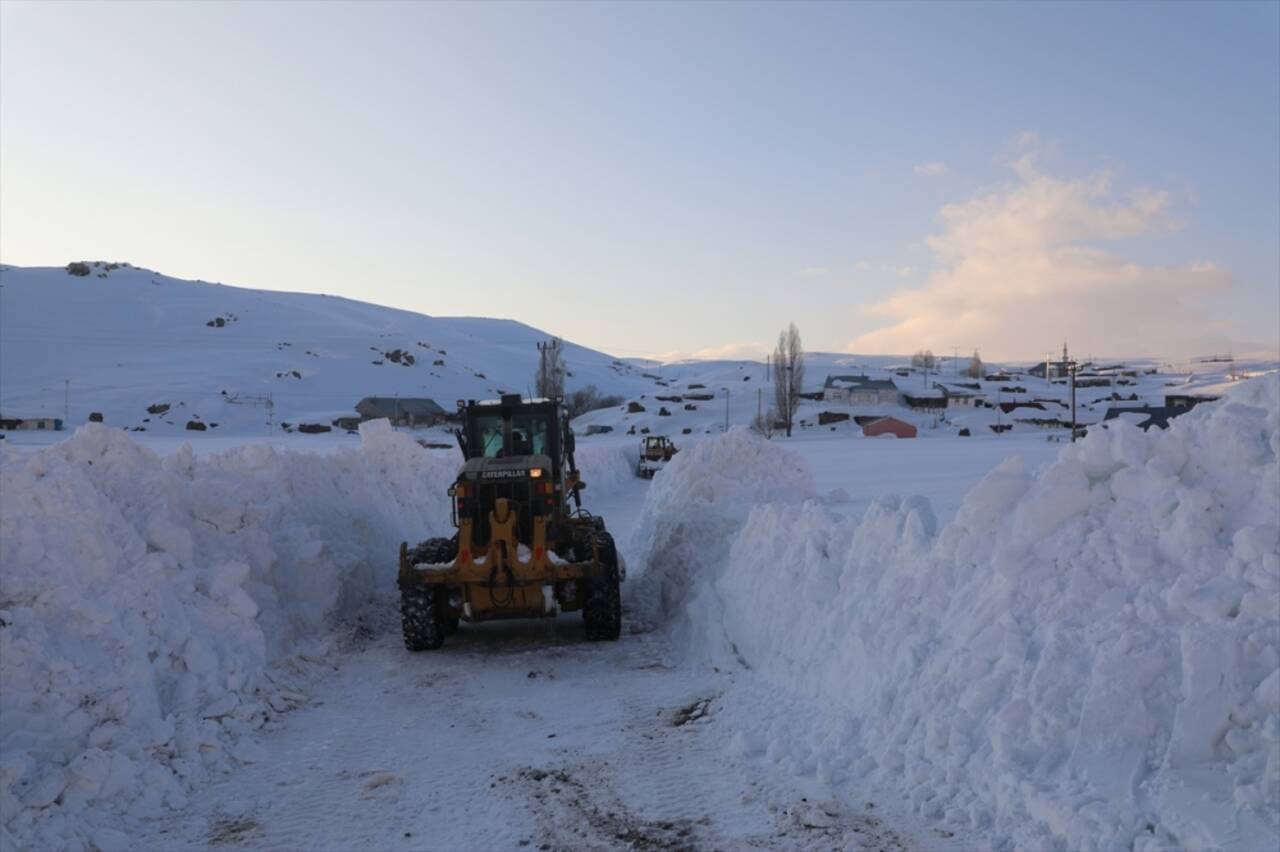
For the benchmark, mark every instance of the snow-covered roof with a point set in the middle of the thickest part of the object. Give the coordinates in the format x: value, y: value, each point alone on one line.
x: 959, y: 392
x: 860, y: 383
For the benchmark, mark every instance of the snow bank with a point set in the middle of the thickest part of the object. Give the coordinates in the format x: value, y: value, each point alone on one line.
x: 606, y: 468
x: 1088, y: 658
x: 153, y: 610
x: 691, y: 515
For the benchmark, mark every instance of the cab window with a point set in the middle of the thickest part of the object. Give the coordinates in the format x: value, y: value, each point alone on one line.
x: 529, y: 436
x: 489, y: 436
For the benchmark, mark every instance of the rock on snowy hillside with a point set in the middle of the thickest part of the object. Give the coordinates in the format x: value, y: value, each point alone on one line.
x: 129, y: 339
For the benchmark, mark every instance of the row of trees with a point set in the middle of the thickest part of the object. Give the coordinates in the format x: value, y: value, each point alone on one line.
x: 926, y: 360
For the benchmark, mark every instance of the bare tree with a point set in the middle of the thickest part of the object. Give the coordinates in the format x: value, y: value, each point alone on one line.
x: 765, y: 424
x: 589, y: 398
x: 788, y: 375
x: 924, y: 359
x: 549, y: 382
x: 975, y: 366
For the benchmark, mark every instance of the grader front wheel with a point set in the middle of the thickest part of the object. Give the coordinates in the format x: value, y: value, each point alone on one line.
x: 423, y: 616
x: 602, y: 605
x: 420, y: 619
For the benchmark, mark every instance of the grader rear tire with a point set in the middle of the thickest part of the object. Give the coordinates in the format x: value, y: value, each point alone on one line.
x: 424, y: 616
x: 602, y: 604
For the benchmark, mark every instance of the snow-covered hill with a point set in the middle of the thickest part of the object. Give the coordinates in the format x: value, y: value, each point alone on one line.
x: 123, y: 339
x: 129, y: 338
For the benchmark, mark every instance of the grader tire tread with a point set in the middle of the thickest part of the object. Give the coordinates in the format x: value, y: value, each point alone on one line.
x: 602, y: 606
x: 423, y: 619
x: 420, y: 619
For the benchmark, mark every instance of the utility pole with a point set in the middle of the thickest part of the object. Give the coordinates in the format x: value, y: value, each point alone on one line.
x: 1, y: 319
x: 726, y: 409
x: 1071, y: 367
x: 66, y: 403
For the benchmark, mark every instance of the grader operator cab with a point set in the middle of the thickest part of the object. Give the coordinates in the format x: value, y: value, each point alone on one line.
x: 524, y: 547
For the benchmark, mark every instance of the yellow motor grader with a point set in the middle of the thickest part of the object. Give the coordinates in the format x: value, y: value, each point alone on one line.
x: 524, y: 547
x: 655, y: 452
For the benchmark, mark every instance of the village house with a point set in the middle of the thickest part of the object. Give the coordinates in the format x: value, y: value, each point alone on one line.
x: 401, y: 410
x: 929, y: 400
x: 1186, y: 401
x: 889, y: 426
x: 960, y: 397
x: 1010, y: 407
x: 1049, y: 369
x: 53, y: 424
x: 860, y: 390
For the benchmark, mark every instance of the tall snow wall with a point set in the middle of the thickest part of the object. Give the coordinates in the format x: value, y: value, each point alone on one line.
x: 154, y: 612
x: 1088, y: 658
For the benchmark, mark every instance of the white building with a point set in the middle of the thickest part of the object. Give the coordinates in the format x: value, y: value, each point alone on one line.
x: 860, y: 390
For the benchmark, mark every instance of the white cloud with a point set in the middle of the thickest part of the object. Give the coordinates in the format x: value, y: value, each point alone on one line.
x: 814, y: 272
x: 931, y: 169
x: 866, y: 268
x: 1021, y: 270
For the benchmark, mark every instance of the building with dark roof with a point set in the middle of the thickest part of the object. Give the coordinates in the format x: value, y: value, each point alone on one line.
x: 401, y: 410
x: 1187, y: 401
x: 930, y: 400
x: 1146, y: 416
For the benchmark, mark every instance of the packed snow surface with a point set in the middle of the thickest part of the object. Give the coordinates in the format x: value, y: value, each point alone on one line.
x: 1084, y: 658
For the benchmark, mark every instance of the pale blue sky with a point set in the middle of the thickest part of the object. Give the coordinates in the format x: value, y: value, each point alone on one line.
x: 671, y: 178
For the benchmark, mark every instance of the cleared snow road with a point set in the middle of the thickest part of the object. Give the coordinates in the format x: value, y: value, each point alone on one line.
x: 519, y: 735
x: 515, y: 735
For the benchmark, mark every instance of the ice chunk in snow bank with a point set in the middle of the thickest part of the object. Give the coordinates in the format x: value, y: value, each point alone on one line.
x: 1077, y: 656
x: 143, y: 600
